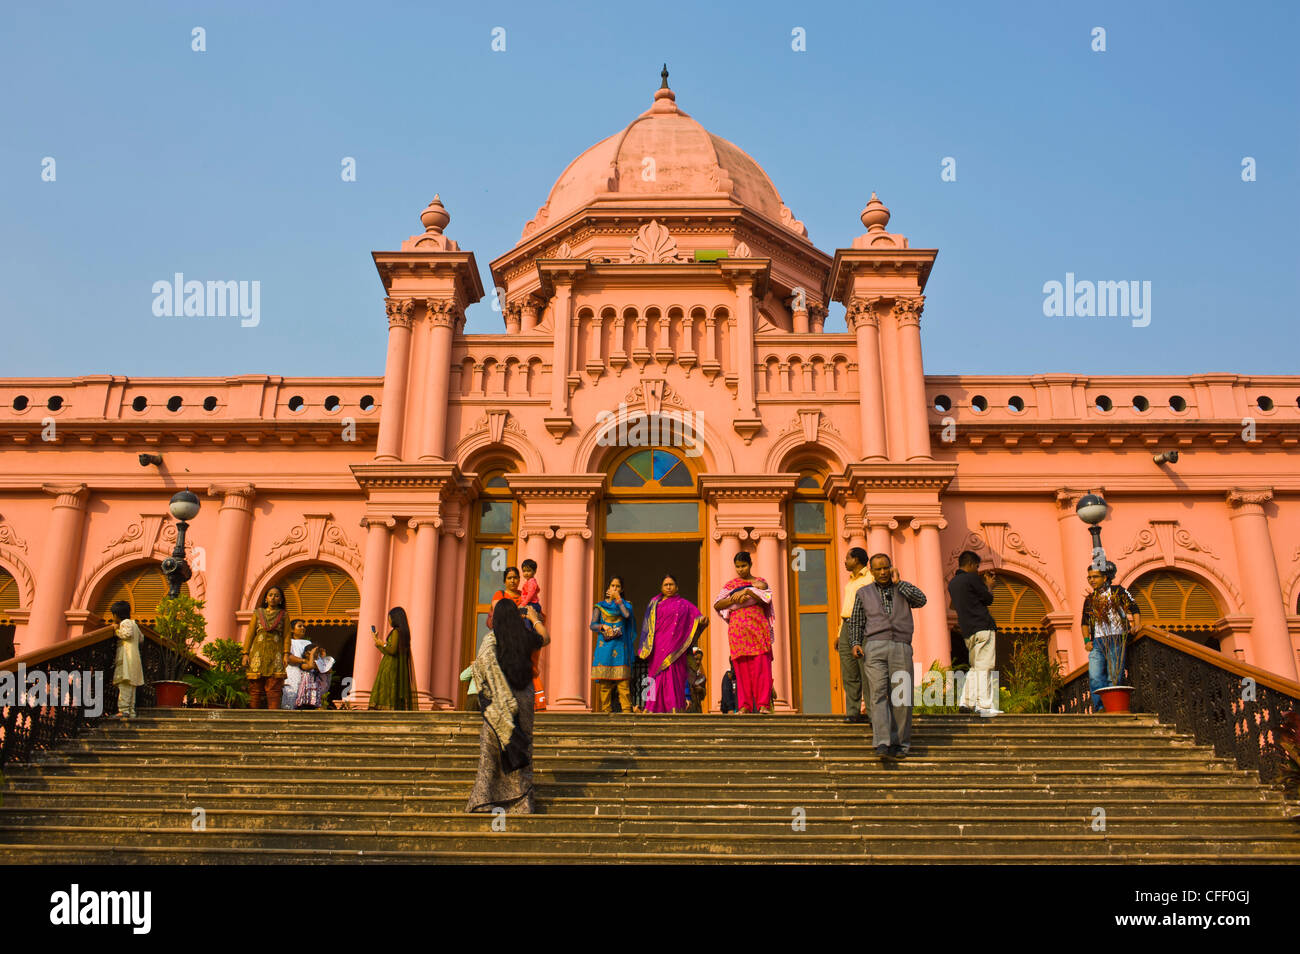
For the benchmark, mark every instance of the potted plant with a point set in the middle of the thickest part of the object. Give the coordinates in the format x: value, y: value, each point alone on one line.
x: 225, y: 685
x: 182, y: 629
x: 1115, y: 698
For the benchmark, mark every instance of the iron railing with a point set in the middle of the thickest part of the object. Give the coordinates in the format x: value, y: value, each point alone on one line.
x: 1221, y: 702
x: 33, y: 721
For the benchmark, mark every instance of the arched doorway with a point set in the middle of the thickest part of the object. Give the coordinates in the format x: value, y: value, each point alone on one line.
x: 1180, y: 604
x: 495, y: 527
x: 1018, y: 610
x: 8, y: 604
x: 651, y: 523
x: 142, y: 585
x: 326, y: 599
x: 813, y: 610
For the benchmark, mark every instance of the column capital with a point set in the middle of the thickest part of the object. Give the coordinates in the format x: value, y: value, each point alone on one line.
x: 564, y: 533
x: 442, y: 312
x: 400, y: 312
x: 69, y: 495
x: 861, y: 312
x: 378, y: 522
x: 759, y: 532
x: 937, y: 522
x: 424, y: 521
x: 1248, y: 501
x: 1068, y: 497
x: 547, y: 532
x: 872, y: 523
x: 234, y: 496
x: 908, y: 310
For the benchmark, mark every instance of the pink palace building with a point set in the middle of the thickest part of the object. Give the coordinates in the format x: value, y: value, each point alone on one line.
x: 663, y: 281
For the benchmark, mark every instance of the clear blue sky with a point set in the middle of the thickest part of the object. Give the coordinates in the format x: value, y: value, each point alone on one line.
x: 1122, y: 165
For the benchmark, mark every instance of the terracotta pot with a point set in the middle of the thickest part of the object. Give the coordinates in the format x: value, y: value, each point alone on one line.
x: 169, y: 694
x: 1116, y: 698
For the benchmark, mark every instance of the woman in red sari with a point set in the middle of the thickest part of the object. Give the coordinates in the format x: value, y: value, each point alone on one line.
x: 516, y: 595
x: 672, y: 624
x: 746, y: 604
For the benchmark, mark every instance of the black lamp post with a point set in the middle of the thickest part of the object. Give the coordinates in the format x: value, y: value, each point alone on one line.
x: 1092, y: 510
x: 184, y: 507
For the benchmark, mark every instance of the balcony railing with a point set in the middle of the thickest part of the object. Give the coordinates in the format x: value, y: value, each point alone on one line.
x: 1224, y: 703
x: 33, y: 721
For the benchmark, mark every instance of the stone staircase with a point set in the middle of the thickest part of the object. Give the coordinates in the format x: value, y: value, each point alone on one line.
x: 186, y: 786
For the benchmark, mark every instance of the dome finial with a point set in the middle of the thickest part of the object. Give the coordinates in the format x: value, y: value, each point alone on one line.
x: 435, y: 217
x: 665, y: 100
x: 875, y: 216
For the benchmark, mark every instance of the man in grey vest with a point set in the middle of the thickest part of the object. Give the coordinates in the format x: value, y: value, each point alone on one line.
x: 880, y: 629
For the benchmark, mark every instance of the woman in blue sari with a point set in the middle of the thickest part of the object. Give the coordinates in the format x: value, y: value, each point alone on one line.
x: 614, y: 624
x: 672, y: 625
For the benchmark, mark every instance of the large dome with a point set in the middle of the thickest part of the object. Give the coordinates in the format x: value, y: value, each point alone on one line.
x: 663, y: 153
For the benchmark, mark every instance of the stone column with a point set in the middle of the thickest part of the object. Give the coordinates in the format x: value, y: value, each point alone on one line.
x: 569, y: 663
x: 816, y: 317
x: 934, y: 642
x: 60, y: 559
x: 723, y: 546
x: 392, y: 414
x: 880, y: 536
x: 448, y: 610
x: 744, y: 345
x: 1270, y: 642
x: 1076, y: 556
x: 443, y: 315
x: 916, y: 429
x: 418, y: 407
x: 862, y: 319
x: 771, y: 557
x: 374, y: 611
x: 561, y: 308
x: 423, y: 581
x: 529, y: 310
x: 228, y: 559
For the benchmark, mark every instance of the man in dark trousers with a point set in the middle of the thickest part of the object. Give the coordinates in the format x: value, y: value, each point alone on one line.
x: 850, y: 668
x: 880, y: 631
x: 971, y: 598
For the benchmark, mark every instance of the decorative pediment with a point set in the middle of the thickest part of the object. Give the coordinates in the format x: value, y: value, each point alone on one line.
x: 312, y: 535
x: 143, y: 536
x: 1168, y: 537
x: 811, y: 422
x: 496, y: 422
x: 654, y: 394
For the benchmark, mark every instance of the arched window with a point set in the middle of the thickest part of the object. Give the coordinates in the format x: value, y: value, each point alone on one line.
x: 656, y: 474
x: 1178, y: 603
x: 1018, y: 606
x: 142, y: 585
x: 8, y: 603
x: 320, y: 595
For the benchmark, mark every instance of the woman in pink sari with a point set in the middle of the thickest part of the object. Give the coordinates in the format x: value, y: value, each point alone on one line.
x: 672, y: 624
x: 746, y: 605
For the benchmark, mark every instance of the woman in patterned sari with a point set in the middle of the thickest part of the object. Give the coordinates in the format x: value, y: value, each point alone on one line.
x: 266, y: 649
x: 746, y: 604
x: 672, y: 624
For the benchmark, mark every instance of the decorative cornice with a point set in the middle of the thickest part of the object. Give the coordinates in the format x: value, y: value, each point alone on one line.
x: 772, y: 487
x: 914, y: 475
x: 444, y: 477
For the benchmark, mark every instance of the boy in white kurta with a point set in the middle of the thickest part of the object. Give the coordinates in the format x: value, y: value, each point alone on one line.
x: 128, y: 672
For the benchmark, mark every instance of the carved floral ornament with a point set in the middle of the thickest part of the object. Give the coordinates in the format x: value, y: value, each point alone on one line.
x: 496, y: 422
x: 654, y: 245
x: 316, y: 533
x: 812, y: 422
x: 1006, y: 548
x: 654, y: 394
x: 9, y: 537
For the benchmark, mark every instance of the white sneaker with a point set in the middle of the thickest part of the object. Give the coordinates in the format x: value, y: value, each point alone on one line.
x: 988, y: 713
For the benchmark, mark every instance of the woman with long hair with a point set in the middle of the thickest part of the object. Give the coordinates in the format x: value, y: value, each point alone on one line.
x: 614, y: 624
x: 745, y: 605
x: 266, y: 650
x: 503, y: 674
x: 672, y: 625
x: 395, y: 681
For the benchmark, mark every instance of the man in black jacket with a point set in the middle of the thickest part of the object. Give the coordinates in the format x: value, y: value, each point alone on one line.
x: 971, y: 598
